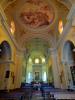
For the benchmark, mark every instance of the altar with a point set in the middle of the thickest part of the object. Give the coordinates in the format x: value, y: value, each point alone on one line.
x: 36, y: 86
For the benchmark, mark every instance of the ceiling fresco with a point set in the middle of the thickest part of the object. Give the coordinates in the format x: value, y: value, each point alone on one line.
x: 36, y: 13
x: 36, y: 19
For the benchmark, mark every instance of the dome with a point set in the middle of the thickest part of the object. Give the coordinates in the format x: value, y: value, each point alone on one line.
x: 37, y: 14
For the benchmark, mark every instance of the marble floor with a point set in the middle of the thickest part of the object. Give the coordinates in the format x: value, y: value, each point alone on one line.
x: 37, y: 95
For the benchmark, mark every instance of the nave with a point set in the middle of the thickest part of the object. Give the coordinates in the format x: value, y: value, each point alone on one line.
x: 37, y: 92
x: 37, y: 49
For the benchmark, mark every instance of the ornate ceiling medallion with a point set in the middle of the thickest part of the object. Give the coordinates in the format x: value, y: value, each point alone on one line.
x: 37, y: 13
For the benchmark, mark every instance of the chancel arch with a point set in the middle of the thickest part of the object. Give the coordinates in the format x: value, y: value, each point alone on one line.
x: 69, y: 63
x: 5, y: 61
x: 37, y: 63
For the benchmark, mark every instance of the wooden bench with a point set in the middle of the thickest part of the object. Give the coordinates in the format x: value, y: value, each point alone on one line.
x: 12, y: 96
x: 45, y: 92
x: 26, y: 90
x: 62, y: 95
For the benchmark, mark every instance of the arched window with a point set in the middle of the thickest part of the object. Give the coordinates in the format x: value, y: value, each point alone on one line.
x: 5, y: 50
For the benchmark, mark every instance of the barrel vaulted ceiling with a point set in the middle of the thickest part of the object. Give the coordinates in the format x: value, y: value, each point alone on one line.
x: 36, y: 19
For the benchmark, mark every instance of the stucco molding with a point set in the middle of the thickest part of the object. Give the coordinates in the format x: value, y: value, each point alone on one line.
x: 6, y: 3
x: 5, y: 26
x: 71, y: 14
x: 67, y: 3
x: 69, y: 24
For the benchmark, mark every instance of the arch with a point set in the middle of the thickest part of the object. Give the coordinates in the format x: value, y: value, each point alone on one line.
x: 68, y: 51
x: 5, y: 49
x: 69, y: 63
x: 5, y: 61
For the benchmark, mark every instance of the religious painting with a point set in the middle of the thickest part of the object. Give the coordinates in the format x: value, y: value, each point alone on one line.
x: 37, y: 76
x: 36, y: 13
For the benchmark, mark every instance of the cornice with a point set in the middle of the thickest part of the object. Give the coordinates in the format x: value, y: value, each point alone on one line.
x: 5, y: 26
x: 6, y: 3
x: 65, y: 32
x: 66, y: 3
x: 71, y: 14
x: 69, y: 24
x: 6, y: 62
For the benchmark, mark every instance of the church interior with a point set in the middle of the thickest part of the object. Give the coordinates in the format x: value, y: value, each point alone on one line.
x: 37, y: 49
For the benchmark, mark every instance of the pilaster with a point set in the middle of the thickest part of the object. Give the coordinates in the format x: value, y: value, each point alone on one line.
x: 55, y: 69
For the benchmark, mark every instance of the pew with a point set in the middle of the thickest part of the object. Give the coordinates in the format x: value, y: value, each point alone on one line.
x: 27, y: 89
x: 45, y: 91
x: 12, y: 96
x: 68, y: 96
x: 28, y: 93
x: 52, y: 94
x: 17, y: 94
x: 59, y: 95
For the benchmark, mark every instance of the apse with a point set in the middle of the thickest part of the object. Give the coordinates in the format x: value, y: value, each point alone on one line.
x: 36, y: 62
